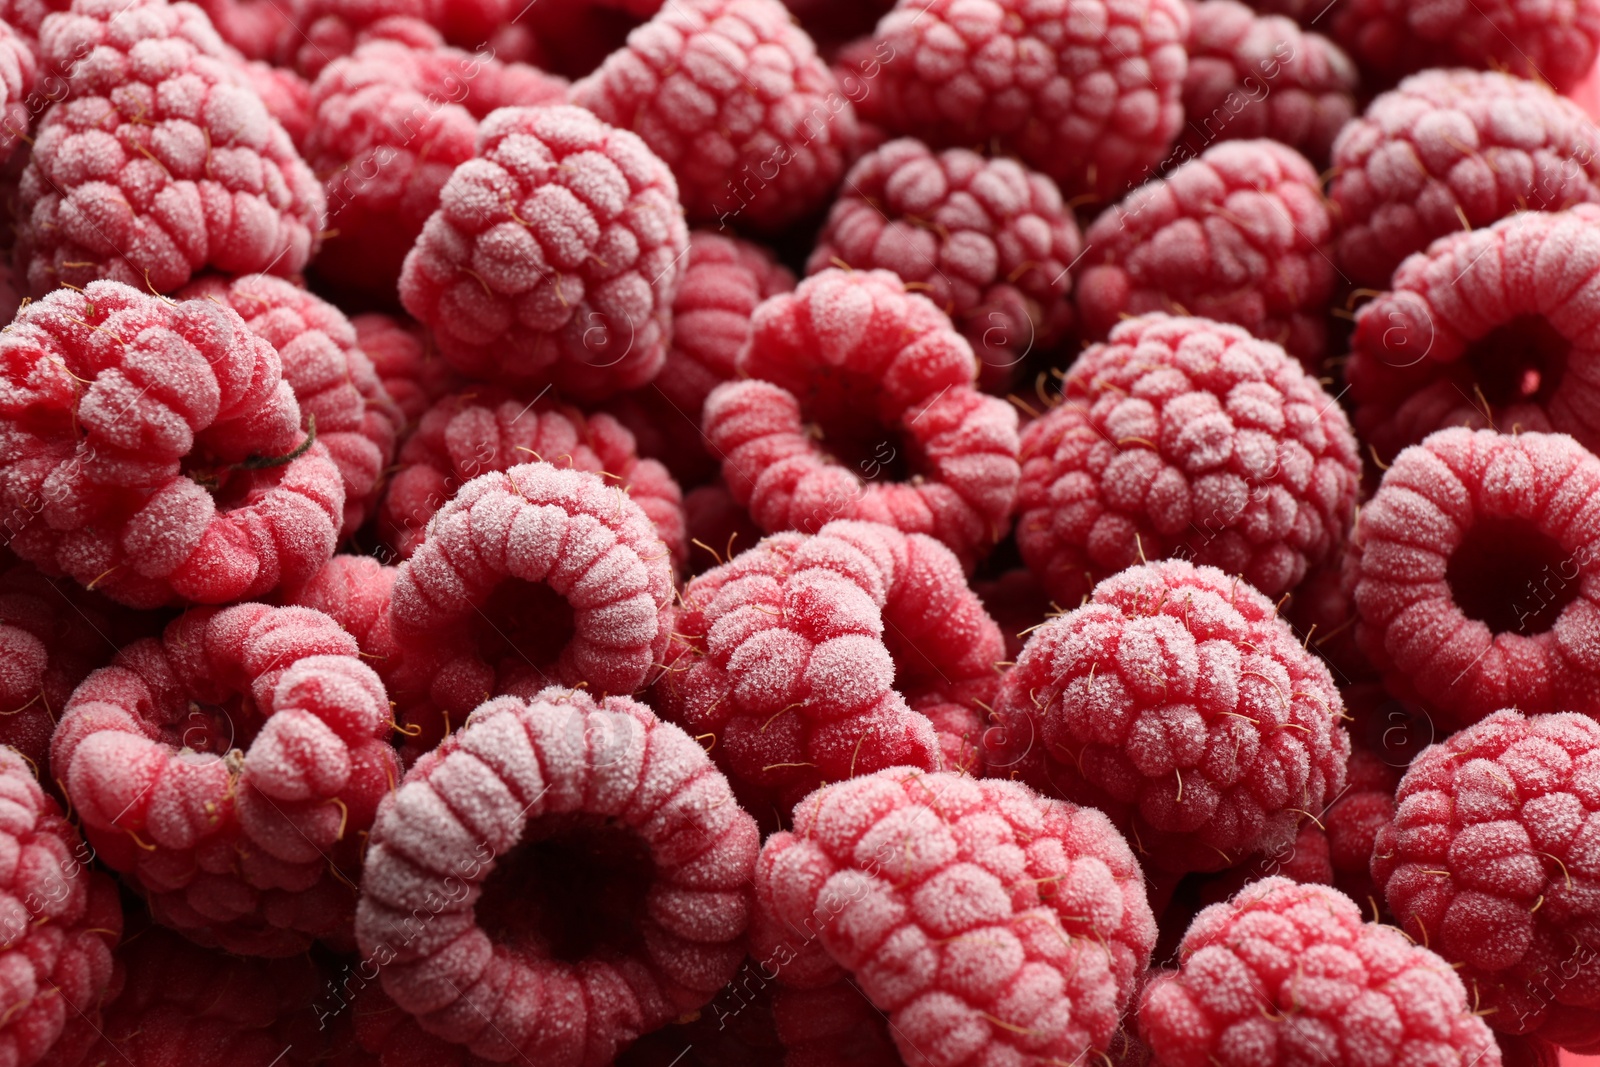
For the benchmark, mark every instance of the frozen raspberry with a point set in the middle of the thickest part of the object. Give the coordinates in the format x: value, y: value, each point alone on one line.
x: 392, y: 122
x: 1288, y: 973
x: 1487, y: 861
x: 554, y: 256
x: 989, y: 241
x: 527, y: 577
x: 718, y: 528
x: 160, y: 162
x: 160, y: 450
x: 990, y: 924
x: 285, y: 95
x: 1088, y: 92
x: 228, y: 770
x: 333, y: 380
x: 1353, y: 822
x: 1486, y: 329
x: 586, y: 875
x: 253, y: 27
x: 468, y: 434
x: 1190, y: 439
x: 1450, y: 149
x: 1206, y: 744
x: 732, y: 96
x: 1019, y: 604
x: 781, y: 667
x: 18, y: 73
x: 1465, y: 569
x: 1261, y: 76
x: 411, y: 372
x: 335, y: 28
x: 1239, y: 235
x: 24, y: 16
x: 905, y: 437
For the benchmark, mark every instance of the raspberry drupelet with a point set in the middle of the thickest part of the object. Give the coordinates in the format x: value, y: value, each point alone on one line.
x: 19, y: 71
x: 403, y: 357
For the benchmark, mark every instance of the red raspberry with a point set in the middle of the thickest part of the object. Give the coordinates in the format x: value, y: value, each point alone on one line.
x: 781, y: 665
x: 335, y: 28
x: 1206, y: 744
x: 18, y: 73
x: 333, y: 380
x: 554, y: 255
x: 990, y: 924
x: 58, y: 923
x: 285, y: 95
x: 411, y: 372
x: 527, y: 576
x: 1486, y: 329
x: 1287, y: 973
x: 160, y: 162
x: 228, y: 769
x: 1190, y: 439
x: 1086, y: 91
x: 1238, y: 235
x: 1353, y: 822
x: 1464, y: 567
x: 882, y: 372
x: 1256, y: 75
x: 355, y: 592
x: 159, y: 449
x: 1454, y: 148
x: 725, y: 91
x: 254, y: 27
x: 468, y: 434
x: 585, y: 872
x: 392, y: 122
x: 989, y: 241
x: 1486, y: 860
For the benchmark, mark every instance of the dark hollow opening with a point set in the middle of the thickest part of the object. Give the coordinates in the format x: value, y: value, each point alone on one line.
x: 1507, y: 574
x: 523, y: 623
x: 842, y: 408
x: 1520, y: 362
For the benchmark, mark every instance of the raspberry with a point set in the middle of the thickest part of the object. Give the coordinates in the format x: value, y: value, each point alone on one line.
x: 1463, y: 568
x: 285, y: 95
x: 532, y: 573
x: 781, y: 665
x: 1206, y: 744
x: 161, y: 160
x: 1088, y: 92
x: 335, y: 28
x: 554, y: 256
x: 251, y: 26
x: 989, y: 241
x: 120, y: 411
x: 333, y: 380
x: 1454, y: 148
x: 1288, y: 973
x: 1191, y: 439
x: 990, y: 924
x: 18, y: 73
x: 883, y: 373
x: 58, y: 924
x: 1486, y: 860
x: 1486, y: 329
x: 468, y: 434
x: 600, y: 880
x: 228, y: 769
x: 1261, y: 76
x: 723, y: 91
x: 392, y: 122
x: 1238, y: 235
x: 354, y: 591
x: 411, y: 372
x: 1353, y: 822
x: 835, y: 1026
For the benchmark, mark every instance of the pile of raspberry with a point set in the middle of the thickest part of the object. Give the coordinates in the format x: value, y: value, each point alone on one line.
x: 712, y: 533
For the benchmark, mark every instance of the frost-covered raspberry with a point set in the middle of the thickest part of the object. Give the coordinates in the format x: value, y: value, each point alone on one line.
x: 1088, y: 92
x: 392, y: 122
x: 554, y: 256
x: 1470, y: 568
x: 1256, y: 75
x: 468, y: 434
x: 161, y: 160
x: 1288, y: 973
x: 905, y: 437
x: 1353, y: 821
x: 1239, y: 235
x: 989, y: 241
x: 18, y: 72
x: 333, y: 380
x: 586, y: 874
x: 1177, y: 701
x: 1454, y: 149
x: 285, y: 95
x: 253, y: 27
x: 732, y: 95
x: 159, y: 449
x: 403, y: 357
x: 1486, y: 329
x: 326, y: 30
x: 1186, y: 438
x: 228, y: 768
x: 990, y: 924
x: 1488, y: 861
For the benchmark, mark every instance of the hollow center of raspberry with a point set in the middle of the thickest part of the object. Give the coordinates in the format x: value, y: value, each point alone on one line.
x: 525, y: 623
x: 1521, y: 362
x: 574, y: 888
x: 214, y: 729
x: 843, y: 409
x: 1508, y: 575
